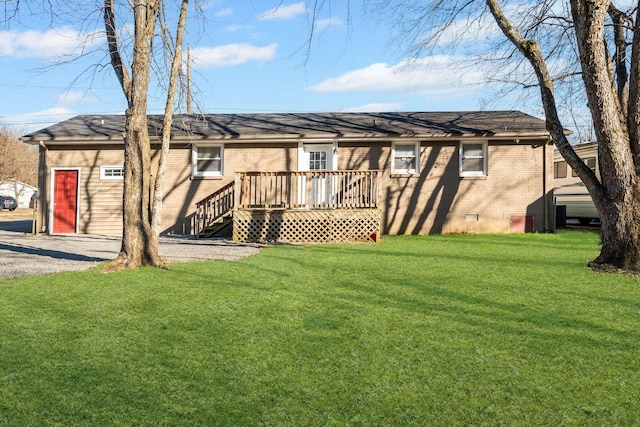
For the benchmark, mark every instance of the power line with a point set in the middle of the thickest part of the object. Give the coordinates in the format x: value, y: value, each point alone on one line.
x: 43, y: 121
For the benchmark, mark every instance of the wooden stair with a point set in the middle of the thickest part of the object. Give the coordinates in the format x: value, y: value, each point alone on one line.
x: 217, y: 227
x: 214, y: 213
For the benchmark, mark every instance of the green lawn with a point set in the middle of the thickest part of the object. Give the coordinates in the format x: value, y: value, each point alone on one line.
x: 434, y: 330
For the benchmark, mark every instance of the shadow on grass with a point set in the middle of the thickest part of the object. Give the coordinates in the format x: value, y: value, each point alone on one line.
x: 517, y: 320
x: 513, y: 293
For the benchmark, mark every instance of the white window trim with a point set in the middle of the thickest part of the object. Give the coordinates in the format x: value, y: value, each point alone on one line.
x: 194, y: 161
x: 104, y: 168
x: 485, y: 158
x: 416, y: 145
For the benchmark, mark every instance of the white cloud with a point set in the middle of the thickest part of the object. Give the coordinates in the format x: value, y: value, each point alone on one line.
x: 232, y: 28
x: 376, y: 107
x: 323, y: 24
x: 284, y: 12
x: 231, y: 54
x: 435, y: 75
x: 29, y: 122
x: 52, y: 44
x: 224, y: 12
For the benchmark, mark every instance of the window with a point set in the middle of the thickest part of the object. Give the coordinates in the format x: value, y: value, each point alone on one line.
x: 406, y: 158
x: 317, y: 155
x: 590, y: 162
x: 473, y: 158
x: 111, y: 172
x: 206, y: 160
x: 560, y: 169
x: 318, y: 160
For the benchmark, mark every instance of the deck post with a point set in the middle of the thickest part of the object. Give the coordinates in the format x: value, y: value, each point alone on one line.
x: 237, y: 191
x: 376, y: 190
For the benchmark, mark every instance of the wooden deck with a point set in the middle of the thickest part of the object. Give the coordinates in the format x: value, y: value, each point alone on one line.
x: 295, y: 207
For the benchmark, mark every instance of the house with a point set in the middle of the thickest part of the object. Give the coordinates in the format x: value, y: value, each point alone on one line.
x: 406, y: 172
x: 572, y: 198
x: 18, y: 190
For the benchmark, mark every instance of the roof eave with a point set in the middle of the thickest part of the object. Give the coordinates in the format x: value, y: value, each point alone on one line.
x: 501, y: 135
x: 35, y: 140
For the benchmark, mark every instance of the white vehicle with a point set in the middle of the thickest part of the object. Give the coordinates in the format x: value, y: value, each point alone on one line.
x: 569, y: 191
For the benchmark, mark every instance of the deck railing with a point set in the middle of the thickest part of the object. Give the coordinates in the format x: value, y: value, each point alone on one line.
x: 290, y: 190
x: 307, y: 190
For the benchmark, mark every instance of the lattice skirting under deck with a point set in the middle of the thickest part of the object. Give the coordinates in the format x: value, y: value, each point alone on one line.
x: 307, y: 226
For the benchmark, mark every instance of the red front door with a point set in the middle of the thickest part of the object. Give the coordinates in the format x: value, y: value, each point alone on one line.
x: 65, y: 196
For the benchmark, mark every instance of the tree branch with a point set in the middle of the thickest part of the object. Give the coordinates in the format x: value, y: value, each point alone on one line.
x: 114, y: 49
x: 620, y: 56
x: 158, y: 193
x: 633, y: 116
x: 531, y: 50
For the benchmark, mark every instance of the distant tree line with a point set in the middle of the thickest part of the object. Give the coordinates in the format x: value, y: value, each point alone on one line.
x: 18, y: 160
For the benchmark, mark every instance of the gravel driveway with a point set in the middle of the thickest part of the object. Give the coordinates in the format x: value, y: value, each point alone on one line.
x: 25, y: 255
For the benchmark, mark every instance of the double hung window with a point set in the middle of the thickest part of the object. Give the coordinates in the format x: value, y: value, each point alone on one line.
x: 473, y: 158
x: 406, y: 158
x: 207, y: 160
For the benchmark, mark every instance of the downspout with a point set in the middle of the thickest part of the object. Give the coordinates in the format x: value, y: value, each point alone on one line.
x: 545, y: 201
x: 42, y: 189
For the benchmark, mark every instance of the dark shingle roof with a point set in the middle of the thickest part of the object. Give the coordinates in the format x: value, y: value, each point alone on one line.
x: 87, y: 128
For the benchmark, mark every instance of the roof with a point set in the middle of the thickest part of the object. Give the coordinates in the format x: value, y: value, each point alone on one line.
x: 584, y: 146
x: 86, y: 128
x: 12, y: 182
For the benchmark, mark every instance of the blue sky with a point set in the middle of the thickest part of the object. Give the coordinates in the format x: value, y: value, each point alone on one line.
x: 247, y: 56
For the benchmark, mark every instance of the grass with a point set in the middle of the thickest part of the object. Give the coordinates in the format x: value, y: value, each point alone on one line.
x: 435, y: 330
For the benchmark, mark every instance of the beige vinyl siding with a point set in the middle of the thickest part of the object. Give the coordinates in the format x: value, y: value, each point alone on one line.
x: 100, y: 201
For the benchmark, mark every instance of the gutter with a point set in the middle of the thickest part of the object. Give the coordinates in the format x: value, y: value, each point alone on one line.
x: 118, y: 139
x: 545, y: 204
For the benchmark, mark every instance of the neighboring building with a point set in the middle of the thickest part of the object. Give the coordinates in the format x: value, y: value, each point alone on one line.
x: 18, y: 190
x: 441, y: 172
x: 569, y: 190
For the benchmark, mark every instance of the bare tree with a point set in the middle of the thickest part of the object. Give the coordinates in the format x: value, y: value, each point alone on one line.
x: 142, y: 209
x: 589, y: 42
x: 18, y: 161
x: 133, y: 61
x: 613, y: 102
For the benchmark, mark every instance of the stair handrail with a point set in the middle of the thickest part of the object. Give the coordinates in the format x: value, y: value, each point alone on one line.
x: 214, y: 206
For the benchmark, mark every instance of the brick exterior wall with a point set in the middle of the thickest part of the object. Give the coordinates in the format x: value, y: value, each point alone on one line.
x: 435, y: 200
x: 438, y: 200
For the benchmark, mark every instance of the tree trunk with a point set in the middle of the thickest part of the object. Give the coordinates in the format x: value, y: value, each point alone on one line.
x: 615, y: 194
x: 616, y: 197
x: 620, y: 230
x: 139, y: 243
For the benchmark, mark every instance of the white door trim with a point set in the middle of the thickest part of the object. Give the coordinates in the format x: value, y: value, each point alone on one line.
x: 305, y: 147
x: 52, y: 196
